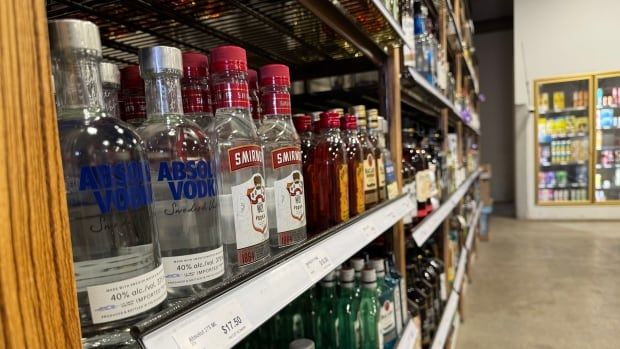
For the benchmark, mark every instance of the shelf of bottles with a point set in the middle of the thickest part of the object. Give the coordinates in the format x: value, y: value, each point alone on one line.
x: 563, y: 149
x: 607, y: 138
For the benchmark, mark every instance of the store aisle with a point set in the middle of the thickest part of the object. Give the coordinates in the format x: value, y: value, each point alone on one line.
x: 544, y: 285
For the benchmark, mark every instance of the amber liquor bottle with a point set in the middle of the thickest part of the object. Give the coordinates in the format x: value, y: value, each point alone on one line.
x: 303, y: 125
x: 355, y: 164
x: 371, y: 192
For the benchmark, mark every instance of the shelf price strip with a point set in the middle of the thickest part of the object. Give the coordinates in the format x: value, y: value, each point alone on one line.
x: 446, y: 321
x: 275, y: 288
x: 472, y: 228
x: 429, y: 225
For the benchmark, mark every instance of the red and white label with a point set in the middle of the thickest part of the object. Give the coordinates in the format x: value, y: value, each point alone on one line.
x: 285, y: 156
x: 231, y: 95
x: 276, y: 103
x: 245, y: 156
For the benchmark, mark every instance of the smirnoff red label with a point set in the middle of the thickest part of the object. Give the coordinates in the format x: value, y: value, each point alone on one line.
x: 245, y: 156
x: 285, y: 156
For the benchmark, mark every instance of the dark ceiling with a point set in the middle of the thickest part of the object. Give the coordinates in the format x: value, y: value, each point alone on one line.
x: 491, y: 15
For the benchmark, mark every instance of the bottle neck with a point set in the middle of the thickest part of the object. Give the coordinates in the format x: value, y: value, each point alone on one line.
x: 230, y: 90
x: 110, y: 99
x: 275, y: 101
x: 381, y: 138
x: 163, y: 94
x: 78, y: 84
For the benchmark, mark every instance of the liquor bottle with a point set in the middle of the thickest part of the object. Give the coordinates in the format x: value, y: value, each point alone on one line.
x: 387, y: 314
x: 327, y: 328
x: 283, y: 162
x: 413, y: 154
x: 303, y: 125
x: 132, y: 96
x: 400, y: 286
x: 418, y: 301
x: 415, y: 280
x: 197, y: 104
x: 355, y: 164
x: 239, y: 160
x: 330, y: 161
x: 111, y: 82
x: 371, y: 190
x: 113, y: 237
x: 391, y: 185
x: 422, y: 43
x: 432, y: 57
x: 373, y: 136
x: 346, y: 310
x: 184, y: 192
x: 417, y: 321
x: 255, y: 100
x: 371, y: 336
x: 406, y: 21
x: 430, y: 257
x: 316, y: 122
x: 309, y: 306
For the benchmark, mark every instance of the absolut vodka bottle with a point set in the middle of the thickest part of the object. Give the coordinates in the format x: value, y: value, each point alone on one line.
x: 183, y: 178
x: 239, y: 159
x: 283, y: 167
x: 117, y: 264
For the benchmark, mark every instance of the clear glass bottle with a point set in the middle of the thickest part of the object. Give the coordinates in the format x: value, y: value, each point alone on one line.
x: 255, y: 98
x: 371, y: 337
x: 355, y: 164
x: 239, y: 161
x: 422, y: 43
x: 184, y: 185
x: 391, y: 185
x: 387, y: 312
x: 346, y: 310
x: 132, y: 96
x: 373, y: 135
x: 117, y: 264
x: 283, y: 159
x: 371, y: 189
x: 111, y: 82
x: 197, y: 105
x: 395, y: 275
x: 330, y: 161
x: 303, y: 125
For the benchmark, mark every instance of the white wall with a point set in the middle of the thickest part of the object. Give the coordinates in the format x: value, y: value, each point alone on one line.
x: 494, y: 51
x: 557, y: 37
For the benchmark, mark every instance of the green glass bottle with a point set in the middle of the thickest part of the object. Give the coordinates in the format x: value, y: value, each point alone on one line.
x: 358, y: 265
x: 327, y: 334
x: 346, y: 310
x: 310, y: 309
x: 371, y: 338
x: 387, y: 315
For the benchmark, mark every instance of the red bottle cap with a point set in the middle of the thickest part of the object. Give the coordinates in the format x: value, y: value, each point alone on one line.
x: 329, y: 119
x: 302, y: 122
x: 228, y: 57
x: 348, y: 122
x: 252, y: 79
x: 130, y: 78
x: 195, y: 65
x: 274, y: 75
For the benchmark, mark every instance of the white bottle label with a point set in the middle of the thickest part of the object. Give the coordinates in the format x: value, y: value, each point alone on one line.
x: 386, y: 317
x: 370, y: 173
x: 442, y: 289
x: 194, y: 268
x: 126, y: 298
x: 290, y: 204
x: 250, y: 212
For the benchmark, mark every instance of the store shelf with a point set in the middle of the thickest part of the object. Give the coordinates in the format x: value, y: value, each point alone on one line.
x: 472, y: 228
x: 275, y: 287
x: 443, y: 330
x: 461, y: 43
x: 409, y: 336
x: 395, y: 24
x: 427, y: 227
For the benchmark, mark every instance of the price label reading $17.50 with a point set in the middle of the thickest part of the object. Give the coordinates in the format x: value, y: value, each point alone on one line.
x: 217, y: 329
x: 317, y: 264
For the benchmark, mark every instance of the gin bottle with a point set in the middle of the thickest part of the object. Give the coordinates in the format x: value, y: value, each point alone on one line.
x: 239, y: 161
x: 327, y: 331
x: 283, y: 160
x: 371, y: 337
x: 346, y: 310
x: 184, y: 188
x: 197, y: 105
x: 111, y: 82
x: 117, y: 264
x: 387, y: 314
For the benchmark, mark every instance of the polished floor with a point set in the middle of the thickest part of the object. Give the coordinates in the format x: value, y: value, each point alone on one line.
x: 544, y: 285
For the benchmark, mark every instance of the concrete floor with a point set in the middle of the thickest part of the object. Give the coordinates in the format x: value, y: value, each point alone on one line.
x: 544, y: 285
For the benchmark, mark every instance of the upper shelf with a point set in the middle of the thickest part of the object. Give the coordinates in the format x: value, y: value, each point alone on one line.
x: 461, y: 46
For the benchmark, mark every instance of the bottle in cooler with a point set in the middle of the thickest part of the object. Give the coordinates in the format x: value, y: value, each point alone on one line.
x: 371, y: 335
x: 387, y: 311
x: 303, y: 125
x: 346, y: 310
x: 373, y: 135
x: 197, y: 104
x: 355, y: 164
x: 371, y: 189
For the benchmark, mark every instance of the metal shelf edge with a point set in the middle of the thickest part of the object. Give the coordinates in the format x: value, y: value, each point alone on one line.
x: 424, y: 230
x: 443, y: 330
x: 472, y: 226
x: 460, y: 270
x: 409, y: 336
x: 279, y: 285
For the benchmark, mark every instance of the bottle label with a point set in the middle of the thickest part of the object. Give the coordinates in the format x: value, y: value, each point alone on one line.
x: 359, y: 194
x: 381, y: 170
x: 245, y: 156
x: 370, y: 179
x: 250, y: 212
x: 285, y: 156
x: 398, y: 310
x: 290, y: 205
x: 423, y: 186
x: 231, y: 94
x: 188, y: 179
x: 193, y: 101
x: 386, y: 320
x: 117, y: 187
x: 276, y: 103
x: 126, y: 298
x: 343, y: 186
x: 194, y: 268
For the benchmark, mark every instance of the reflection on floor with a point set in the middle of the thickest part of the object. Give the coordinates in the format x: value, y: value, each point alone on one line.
x: 544, y: 285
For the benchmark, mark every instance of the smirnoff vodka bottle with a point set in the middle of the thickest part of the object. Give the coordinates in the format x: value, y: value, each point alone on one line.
x: 239, y: 161
x: 283, y: 167
x: 183, y: 177
x: 195, y: 89
x: 117, y: 264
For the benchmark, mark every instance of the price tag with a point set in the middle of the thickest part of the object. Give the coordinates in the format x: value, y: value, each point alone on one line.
x: 369, y: 230
x: 317, y: 263
x: 220, y: 328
